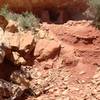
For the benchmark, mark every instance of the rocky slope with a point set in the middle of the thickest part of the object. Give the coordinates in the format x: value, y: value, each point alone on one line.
x: 53, y: 61
x: 58, y: 62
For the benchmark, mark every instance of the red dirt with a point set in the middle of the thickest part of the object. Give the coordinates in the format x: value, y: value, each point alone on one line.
x: 82, y: 36
x: 66, y: 62
x: 73, y: 75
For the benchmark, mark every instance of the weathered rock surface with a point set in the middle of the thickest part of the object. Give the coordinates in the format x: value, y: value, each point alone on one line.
x: 57, y: 11
x: 75, y: 32
x: 60, y: 68
x: 21, y: 43
x: 46, y: 49
x: 38, y: 4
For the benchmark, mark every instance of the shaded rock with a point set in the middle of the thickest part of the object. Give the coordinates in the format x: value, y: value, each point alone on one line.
x: 16, y: 55
x: 1, y: 36
x: 19, y: 77
x: 21, y: 61
x: 4, y: 89
x: 9, y: 90
x: 17, y: 59
x: 21, y: 43
x: 3, y: 22
x: 46, y: 49
x: 12, y: 27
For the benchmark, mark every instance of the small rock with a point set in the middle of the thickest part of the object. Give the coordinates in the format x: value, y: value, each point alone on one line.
x: 12, y: 27
x: 1, y: 36
x: 20, y: 78
x: 48, y: 64
x: 46, y: 49
x: 70, y: 61
x: 21, y: 61
x: 17, y: 59
x: 82, y: 72
x: 16, y: 56
x: 42, y: 34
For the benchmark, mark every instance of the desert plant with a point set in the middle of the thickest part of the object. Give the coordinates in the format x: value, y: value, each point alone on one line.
x: 26, y: 20
x: 4, y: 11
x: 95, y: 4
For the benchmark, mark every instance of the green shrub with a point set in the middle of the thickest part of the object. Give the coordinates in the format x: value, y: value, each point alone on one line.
x: 26, y: 20
x: 95, y: 4
x: 4, y: 11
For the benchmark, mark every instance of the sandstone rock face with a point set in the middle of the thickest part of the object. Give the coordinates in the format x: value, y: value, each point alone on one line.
x: 48, y: 9
x: 35, y: 4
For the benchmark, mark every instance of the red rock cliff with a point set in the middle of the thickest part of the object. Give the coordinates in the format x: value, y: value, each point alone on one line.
x: 54, y: 10
x: 44, y: 4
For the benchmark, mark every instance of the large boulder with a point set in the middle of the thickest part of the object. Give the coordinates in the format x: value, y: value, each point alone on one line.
x: 46, y: 49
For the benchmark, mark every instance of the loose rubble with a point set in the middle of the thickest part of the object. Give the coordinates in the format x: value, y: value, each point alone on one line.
x: 60, y: 65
